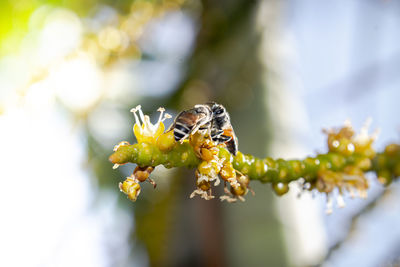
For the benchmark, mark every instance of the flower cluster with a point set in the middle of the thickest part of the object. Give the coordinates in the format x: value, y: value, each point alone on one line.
x: 357, y: 148
x: 341, y: 169
x: 146, y: 134
x: 155, y: 146
x: 345, y: 142
x: 216, y: 162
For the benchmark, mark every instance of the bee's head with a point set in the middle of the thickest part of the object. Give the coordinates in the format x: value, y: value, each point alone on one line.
x: 221, y: 117
x: 202, y: 109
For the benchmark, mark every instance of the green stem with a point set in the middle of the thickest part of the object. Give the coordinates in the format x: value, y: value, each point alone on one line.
x: 385, y: 164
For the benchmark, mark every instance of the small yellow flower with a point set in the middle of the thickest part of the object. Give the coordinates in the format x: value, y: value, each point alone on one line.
x: 144, y: 130
x: 131, y: 188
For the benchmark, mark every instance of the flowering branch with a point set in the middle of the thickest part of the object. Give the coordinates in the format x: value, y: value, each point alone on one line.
x: 343, y: 167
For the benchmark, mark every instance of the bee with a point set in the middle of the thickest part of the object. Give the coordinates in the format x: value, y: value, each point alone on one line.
x: 192, y: 120
x: 221, y: 128
x: 211, y: 118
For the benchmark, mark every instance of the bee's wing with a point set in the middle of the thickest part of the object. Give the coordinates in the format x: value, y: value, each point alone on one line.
x: 216, y: 133
x: 223, y: 138
x: 233, y: 145
x: 172, y: 126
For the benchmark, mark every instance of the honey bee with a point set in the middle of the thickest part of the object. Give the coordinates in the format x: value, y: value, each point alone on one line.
x: 221, y: 128
x: 192, y: 120
x: 211, y: 118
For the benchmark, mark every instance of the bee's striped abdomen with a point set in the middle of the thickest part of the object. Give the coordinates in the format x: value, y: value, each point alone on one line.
x: 181, y: 131
x: 190, y: 121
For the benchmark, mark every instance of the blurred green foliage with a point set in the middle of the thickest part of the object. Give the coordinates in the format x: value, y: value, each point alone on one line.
x: 15, y: 16
x: 223, y: 66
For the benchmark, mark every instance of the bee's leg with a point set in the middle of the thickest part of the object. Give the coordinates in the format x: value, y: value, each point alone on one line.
x: 196, y: 128
x: 209, y: 130
x: 151, y: 181
x: 186, y: 136
x: 203, y: 128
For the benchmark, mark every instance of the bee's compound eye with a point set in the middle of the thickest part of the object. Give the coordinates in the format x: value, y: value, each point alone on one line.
x: 219, y: 111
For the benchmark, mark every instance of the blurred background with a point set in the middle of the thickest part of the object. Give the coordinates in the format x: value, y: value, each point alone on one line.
x: 71, y: 70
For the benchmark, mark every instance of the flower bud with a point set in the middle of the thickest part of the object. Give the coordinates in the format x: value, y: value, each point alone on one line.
x: 130, y: 188
x: 239, y: 190
x: 280, y: 188
x: 166, y: 141
x: 142, y: 173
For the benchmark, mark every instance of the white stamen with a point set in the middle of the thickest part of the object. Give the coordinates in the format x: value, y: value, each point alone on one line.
x: 217, y: 161
x: 362, y: 193
x: 350, y: 147
x: 214, y: 178
x: 375, y: 134
x: 329, y: 205
x: 340, y: 201
x: 233, y: 182
x: 351, y: 191
x: 137, y: 120
x: 148, y: 127
x: 202, y: 178
x: 241, y: 198
x: 161, y: 110
x: 347, y: 123
x: 367, y: 124
x: 115, y: 166
x: 227, y: 198
x: 313, y: 194
x: 139, y: 110
x: 363, y: 137
x: 207, y: 197
x: 307, y: 186
x: 201, y: 193
x: 134, y: 110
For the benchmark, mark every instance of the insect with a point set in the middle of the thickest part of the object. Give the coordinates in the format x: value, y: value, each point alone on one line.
x: 190, y: 121
x: 210, y: 117
x: 221, y: 128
